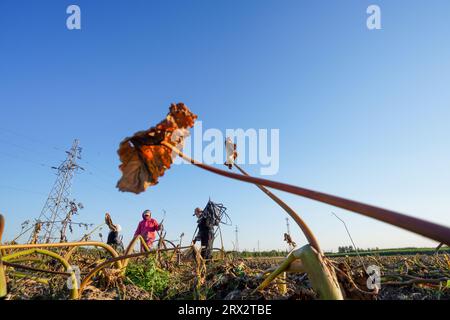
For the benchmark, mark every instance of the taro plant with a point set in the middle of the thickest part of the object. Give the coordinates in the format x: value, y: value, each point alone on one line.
x: 148, y: 276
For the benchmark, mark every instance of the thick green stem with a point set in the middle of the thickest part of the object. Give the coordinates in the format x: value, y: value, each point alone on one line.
x: 281, y: 268
x: 320, y: 273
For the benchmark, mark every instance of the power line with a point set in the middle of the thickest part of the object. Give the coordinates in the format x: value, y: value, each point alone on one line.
x: 100, y: 174
x: 22, y: 190
x: 25, y: 160
x: 27, y: 149
x: 32, y: 138
x: 34, y: 151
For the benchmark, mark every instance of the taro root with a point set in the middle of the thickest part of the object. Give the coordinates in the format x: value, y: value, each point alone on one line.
x: 143, y: 157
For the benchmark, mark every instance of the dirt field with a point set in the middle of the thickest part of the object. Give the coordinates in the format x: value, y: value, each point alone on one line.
x: 415, y: 277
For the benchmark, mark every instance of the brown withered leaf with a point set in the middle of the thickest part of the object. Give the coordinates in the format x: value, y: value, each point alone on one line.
x: 109, y: 223
x: 143, y: 158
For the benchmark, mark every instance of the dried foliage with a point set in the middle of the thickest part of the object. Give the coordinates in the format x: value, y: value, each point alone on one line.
x: 109, y: 222
x: 143, y: 158
x: 403, y: 277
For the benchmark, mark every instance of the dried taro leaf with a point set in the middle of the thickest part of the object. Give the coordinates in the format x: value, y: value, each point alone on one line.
x: 143, y: 158
x: 109, y: 222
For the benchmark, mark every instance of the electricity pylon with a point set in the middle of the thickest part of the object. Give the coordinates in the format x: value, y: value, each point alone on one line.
x: 58, y: 209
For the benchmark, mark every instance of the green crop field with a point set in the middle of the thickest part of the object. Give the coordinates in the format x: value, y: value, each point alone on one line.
x: 391, y: 252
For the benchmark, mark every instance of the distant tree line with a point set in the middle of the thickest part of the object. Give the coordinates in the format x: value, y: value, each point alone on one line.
x: 271, y: 253
x: 348, y: 249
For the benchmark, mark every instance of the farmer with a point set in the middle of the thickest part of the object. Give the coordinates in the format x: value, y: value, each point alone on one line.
x: 205, y: 233
x: 147, y: 228
x: 114, y: 239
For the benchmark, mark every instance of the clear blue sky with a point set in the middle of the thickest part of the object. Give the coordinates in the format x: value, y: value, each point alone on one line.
x: 362, y: 114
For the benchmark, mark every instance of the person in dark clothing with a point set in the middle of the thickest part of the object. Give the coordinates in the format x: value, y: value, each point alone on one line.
x: 205, y: 233
x: 114, y: 240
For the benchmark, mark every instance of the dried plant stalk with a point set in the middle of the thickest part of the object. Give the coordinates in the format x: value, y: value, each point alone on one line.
x: 312, y: 240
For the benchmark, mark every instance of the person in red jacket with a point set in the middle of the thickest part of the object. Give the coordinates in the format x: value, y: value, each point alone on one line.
x: 147, y: 227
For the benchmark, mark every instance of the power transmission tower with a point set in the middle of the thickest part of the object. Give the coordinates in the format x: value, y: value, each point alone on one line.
x: 237, y: 239
x: 58, y: 208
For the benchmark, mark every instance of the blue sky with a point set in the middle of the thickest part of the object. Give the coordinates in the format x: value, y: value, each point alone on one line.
x: 362, y: 114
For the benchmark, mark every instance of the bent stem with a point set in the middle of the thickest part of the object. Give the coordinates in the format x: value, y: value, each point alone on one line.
x: 320, y: 273
x: 307, y: 259
x: 131, y: 246
x: 428, y: 229
x: 65, y: 244
x: 74, y: 283
x: 281, y: 268
x: 312, y: 240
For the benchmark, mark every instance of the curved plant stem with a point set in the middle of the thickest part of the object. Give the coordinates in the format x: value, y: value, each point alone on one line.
x: 116, y: 259
x: 428, y: 229
x: 74, y: 289
x: 131, y: 246
x: 65, y: 244
x: 322, y: 277
x: 320, y: 273
x: 20, y: 266
x: 312, y: 240
x: 281, y: 268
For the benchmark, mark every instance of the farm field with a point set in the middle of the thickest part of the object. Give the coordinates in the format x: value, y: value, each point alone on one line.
x: 403, y: 277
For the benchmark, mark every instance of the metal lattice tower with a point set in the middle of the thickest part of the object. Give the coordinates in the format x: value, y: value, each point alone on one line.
x: 58, y: 209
